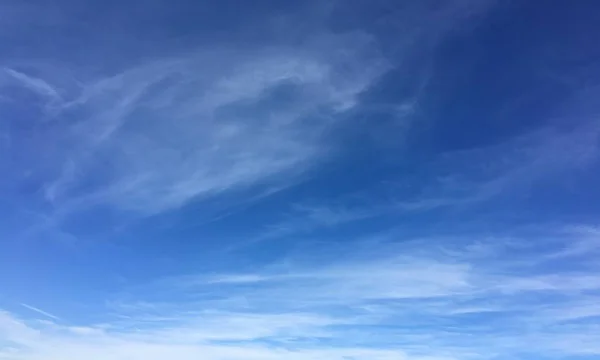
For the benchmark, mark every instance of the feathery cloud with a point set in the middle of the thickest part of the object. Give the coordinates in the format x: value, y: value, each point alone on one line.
x: 308, y: 309
x: 176, y: 129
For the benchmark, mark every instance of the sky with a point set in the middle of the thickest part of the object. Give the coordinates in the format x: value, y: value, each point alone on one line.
x: 302, y: 180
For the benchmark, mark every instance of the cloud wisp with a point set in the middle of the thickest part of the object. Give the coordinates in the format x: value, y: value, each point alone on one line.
x: 454, y: 180
x: 40, y: 311
x: 409, y: 306
x: 153, y: 137
x: 36, y: 85
x: 195, y: 126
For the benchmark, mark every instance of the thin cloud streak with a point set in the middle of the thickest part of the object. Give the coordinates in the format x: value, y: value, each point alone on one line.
x: 40, y: 311
x: 34, y: 84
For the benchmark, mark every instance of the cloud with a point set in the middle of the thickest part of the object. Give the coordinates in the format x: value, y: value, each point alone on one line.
x: 161, y: 134
x: 63, y: 342
x: 588, y: 243
x: 39, y: 311
x: 453, y: 180
x: 217, y: 122
x: 482, y: 174
x: 347, y: 283
x: 245, y: 116
x: 36, y: 85
x: 423, y: 298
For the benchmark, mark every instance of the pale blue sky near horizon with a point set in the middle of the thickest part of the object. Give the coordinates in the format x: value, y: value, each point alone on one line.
x: 308, y: 180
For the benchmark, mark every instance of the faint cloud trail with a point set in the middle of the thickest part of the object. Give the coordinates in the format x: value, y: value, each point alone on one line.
x: 40, y: 311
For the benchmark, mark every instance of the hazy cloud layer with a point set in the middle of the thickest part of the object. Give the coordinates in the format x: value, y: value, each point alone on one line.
x: 371, y: 305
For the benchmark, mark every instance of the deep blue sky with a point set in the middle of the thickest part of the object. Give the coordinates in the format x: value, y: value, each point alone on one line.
x: 367, y: 180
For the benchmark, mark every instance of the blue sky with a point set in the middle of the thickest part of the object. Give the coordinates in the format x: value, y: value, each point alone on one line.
x: 303, y: 180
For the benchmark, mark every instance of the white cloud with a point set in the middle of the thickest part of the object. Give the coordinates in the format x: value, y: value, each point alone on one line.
x: 455, y: 180
x: 64, y: 343
x: 430, y: 302
x: 35, y: 84
x: 161, y: 134
x: 349, y: 284
x: 15, y: 331
x: 40, y: 311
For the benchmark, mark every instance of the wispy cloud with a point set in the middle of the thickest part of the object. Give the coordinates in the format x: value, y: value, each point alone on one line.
x: 40, y: 311
x: 231, y: 124
x: 426, y: 303
x: 455, y: 180
x: 35, y: 84
x: 199, y: 125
